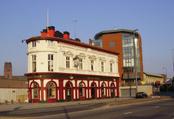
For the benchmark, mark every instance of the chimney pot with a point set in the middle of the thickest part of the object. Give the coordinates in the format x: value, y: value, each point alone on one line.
x: 51, y: 31
x: 66, y: 35
x: 44, y: 33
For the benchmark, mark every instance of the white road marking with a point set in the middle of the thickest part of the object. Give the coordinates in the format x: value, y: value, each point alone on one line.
x: 127, y: 113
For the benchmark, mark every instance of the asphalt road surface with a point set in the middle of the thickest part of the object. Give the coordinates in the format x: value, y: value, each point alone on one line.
x: 153, y: 110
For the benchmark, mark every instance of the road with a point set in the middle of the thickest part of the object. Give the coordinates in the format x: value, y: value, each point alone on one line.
x: 153, y: 110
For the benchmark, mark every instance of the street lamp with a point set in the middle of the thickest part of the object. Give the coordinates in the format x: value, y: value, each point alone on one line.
x: 135, y: 58
x: 173, y: 60
x: 165, y: 72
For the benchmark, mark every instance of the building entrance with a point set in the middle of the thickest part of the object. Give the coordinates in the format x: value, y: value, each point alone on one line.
x: 69, y: 91
x: 93, y: 90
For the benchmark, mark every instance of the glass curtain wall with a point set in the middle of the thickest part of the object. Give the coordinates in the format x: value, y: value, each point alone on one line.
x: 129, y: 55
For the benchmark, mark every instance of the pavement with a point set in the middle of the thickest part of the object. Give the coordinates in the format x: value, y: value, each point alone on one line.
x: 110, y: 101
x: 77, y: 108
x: 8, y: 107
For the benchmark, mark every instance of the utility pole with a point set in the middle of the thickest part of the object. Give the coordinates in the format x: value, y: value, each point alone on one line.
x: 128, y: 70
x: 173, y: 60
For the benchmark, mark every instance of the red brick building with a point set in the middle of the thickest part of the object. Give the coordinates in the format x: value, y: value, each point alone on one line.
x: 8, y: 70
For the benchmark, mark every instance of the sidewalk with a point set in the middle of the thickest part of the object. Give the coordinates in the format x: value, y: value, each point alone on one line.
x: 9, y: 107
x: 113, y: 101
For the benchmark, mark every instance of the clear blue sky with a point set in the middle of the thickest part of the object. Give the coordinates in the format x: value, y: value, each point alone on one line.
x: 21, y: 19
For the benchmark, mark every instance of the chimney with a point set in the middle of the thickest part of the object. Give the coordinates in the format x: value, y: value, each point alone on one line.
x: 8, y: 70
x: 58, y: 34
x: 77, y: 39
x: 44, y: 33
x: 66, y: 35
x: 51, y: 31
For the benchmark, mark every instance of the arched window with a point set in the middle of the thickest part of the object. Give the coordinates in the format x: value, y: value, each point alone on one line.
x: 35, y: 90
x: 69, y: 91
x: 112, y: 90
x: 51, y: 90
x: 93, y: 90
x: 81, y: 89
x: 103, y: 89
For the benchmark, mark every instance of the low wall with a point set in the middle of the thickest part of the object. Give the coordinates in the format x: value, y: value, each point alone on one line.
x: 148, y: 89
x: 10, y: 95
x: 130, y: 91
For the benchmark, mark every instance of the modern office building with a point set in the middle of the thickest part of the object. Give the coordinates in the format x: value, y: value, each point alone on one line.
x: 64, y: 69
x: 129, y: 46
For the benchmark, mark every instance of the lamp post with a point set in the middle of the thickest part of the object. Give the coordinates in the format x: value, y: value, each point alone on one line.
x: 173, y: 60
x: 128, y: 71
x: 135, y: 58
x: 165, y: 72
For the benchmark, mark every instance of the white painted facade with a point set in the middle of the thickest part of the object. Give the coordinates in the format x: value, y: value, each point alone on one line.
x: 60, y: 50
x: 57, y: 69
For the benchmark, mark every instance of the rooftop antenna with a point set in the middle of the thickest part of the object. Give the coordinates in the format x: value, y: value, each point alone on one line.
x: 47, y: 20
x: 47, y: 24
